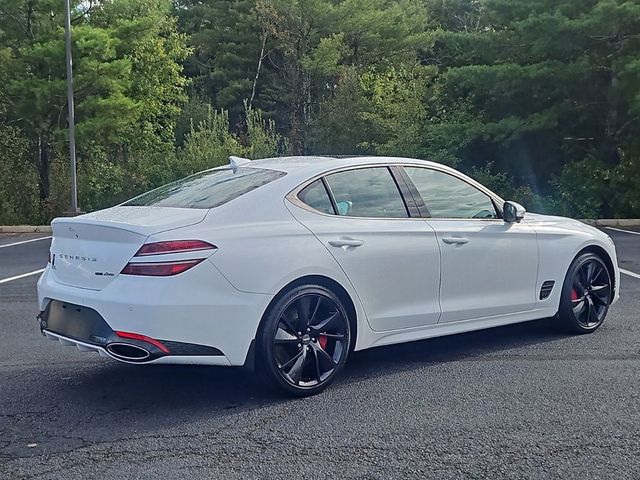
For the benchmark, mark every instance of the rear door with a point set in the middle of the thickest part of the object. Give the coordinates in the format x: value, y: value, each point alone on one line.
x: 392, y: 259
x: 489, y: 267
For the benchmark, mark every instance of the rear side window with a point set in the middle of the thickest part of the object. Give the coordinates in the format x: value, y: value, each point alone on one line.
x: 207, y: 189
x: 367, y: 192
x: 316, y: 196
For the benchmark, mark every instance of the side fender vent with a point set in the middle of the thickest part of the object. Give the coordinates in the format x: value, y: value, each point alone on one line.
x: 546, y: 289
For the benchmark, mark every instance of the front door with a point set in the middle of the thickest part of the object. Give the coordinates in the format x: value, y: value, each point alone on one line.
x: 489, y: 267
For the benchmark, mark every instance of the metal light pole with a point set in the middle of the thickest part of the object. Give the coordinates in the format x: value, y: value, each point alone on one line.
x: 72, y: 126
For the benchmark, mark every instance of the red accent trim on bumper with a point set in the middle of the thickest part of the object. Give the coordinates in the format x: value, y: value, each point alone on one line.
x: 143, y: 338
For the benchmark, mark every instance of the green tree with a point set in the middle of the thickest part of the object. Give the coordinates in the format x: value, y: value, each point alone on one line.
x: 291, y: 58
x: 128, y: 82
x: 224, y: 36
x: 18, y: 180
x: 212, y: 140
x: 547, y: 86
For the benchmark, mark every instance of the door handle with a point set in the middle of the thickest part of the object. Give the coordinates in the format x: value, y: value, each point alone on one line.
x: 455, y: 240
x: 346, y: 242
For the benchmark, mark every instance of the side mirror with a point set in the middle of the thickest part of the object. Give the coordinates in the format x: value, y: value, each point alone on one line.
x: 512, y: 212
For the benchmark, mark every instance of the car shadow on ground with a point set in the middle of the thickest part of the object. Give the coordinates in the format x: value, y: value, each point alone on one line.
x: 193, y: 387
x: 453, y: 347
x: 471, y: 345
x: 100, y: 401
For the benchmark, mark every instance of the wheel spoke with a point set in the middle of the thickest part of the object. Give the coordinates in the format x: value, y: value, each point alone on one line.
x: 600, y: 294
x: 295, y: 373
x: 579, y: 307
x: 317, y: 362
x: 582, y: 277
x: 315, y: 310
x: 282, y: 336
x: 588, y: 274
x: 597, y: 271
x: 288, y: 323
x: 326, y: 358
x: 303, y: 307
x: 337, y: 336
x: 324, y: 324
x: 292, y: 360
x: 593, y: 312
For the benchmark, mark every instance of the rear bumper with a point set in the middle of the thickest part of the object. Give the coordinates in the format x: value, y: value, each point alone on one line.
x: 220, y: 360
x: 86, y: 329
x: 196, y: 312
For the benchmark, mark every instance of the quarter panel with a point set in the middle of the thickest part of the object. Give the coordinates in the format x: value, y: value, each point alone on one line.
x: 262, y: 248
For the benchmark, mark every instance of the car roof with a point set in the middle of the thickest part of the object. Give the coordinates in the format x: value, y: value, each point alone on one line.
x: 314, y: 165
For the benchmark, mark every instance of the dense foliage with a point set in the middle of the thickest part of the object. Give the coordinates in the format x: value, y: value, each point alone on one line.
x: 539, y: 99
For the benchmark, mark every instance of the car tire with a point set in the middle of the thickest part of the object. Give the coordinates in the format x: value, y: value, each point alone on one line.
x: 303, y: 342
x: 586, y: 294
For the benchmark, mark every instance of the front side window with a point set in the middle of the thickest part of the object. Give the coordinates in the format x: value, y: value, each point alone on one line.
x: 207, y: 189
x: 367, y: 192
x: 449, y: 197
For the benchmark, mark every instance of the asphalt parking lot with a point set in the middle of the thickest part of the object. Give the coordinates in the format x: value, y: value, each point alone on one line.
x: 514, y: 402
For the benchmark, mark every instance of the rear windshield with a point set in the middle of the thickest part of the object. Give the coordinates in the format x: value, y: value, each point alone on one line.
x: 206, y: 189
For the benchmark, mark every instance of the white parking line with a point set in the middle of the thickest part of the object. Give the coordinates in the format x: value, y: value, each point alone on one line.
x: 631, y: 274
x: 621, y: 230
x: 17, y: 277
x: 24, y: 241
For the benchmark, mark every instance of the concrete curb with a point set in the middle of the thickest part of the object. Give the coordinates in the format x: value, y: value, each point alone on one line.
x: 613, y: 222
x: 602, y: 222
x: 25, y: 229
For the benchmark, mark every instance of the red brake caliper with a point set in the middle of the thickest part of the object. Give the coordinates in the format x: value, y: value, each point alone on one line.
x: 322, y: 340
x: 574, y: 294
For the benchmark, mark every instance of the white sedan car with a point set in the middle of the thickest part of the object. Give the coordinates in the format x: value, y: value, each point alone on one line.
x: 289, y: 264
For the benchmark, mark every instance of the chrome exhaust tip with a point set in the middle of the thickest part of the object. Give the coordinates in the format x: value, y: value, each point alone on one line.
x: 128, y: 352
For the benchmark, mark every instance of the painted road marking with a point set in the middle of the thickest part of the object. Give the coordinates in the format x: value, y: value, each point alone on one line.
x: 627, y: 272
x: 24, y: 241
x: 621, y: 230
x: 35, y: 272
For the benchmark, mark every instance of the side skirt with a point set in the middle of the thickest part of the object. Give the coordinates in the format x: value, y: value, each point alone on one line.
x: 377, y: 339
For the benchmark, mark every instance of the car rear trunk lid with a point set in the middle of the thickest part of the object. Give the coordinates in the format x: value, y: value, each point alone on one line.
x: 91, y: 250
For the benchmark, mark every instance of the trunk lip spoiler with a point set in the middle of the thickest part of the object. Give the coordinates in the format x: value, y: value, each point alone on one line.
x: 235, y: 162
x: 142, y: 230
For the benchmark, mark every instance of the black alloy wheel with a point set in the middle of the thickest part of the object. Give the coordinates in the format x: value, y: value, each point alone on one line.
x: 586, y: 294
x: 305, y: 340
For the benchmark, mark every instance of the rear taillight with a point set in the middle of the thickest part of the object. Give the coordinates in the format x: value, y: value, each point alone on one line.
x: 159, y: 269
x: 173, y: 246
x: 169, y: 268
